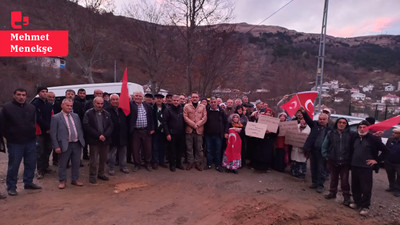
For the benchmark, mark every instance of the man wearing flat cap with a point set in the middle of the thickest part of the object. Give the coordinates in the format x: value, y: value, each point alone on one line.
x: 158, y: 139
x: 149, y: 99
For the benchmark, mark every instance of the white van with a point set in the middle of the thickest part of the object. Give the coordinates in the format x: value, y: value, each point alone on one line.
x: 110, y: 88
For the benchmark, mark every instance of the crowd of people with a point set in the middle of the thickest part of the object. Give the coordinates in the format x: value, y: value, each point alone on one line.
x: 174, y: 132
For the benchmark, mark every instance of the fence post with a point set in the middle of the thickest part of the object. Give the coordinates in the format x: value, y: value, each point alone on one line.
x: 386, y: 111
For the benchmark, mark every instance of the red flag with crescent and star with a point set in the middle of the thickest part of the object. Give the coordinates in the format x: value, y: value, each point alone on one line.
x: 124, y: 97
x: 233, y: 146
x: 304, y: 99
x: 291, y: 106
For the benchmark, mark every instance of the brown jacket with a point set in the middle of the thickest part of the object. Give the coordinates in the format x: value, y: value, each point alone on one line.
x: 195, y: 116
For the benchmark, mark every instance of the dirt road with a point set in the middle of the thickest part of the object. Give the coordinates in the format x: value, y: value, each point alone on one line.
x: 188, y: 197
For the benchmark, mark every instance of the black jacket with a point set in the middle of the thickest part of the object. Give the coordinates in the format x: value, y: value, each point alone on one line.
x: 119, y: 136
x: 92, y: 134
x: 56, y: 107
x: 367, y: 147
x: 79, y: 107
x: 220, y: 126
x: 173, y: 122
x: 312, y: 143
x: 43, y: 114
x: 393, y: 154
x: 134, y: 114
x: 157, y: 128
x: 338, y: 146
x: 18, y: 122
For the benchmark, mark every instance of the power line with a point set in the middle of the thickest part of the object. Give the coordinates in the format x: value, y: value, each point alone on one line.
x: 271, y: 15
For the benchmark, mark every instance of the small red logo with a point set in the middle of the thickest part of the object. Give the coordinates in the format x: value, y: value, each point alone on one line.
x: 17, y: 19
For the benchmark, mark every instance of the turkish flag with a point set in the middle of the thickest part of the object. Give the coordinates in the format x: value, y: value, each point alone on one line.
x: 124, y: 97
x: 386, y: 124
x: 306, y: 100
x: 291, y: 106
x: 233, y: 146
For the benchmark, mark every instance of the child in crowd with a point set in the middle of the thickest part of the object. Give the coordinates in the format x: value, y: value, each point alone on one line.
x: 232, y: 156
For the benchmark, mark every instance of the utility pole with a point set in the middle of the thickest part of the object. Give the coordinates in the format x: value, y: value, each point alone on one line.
x: 115, y: 71
x: 321, y: 56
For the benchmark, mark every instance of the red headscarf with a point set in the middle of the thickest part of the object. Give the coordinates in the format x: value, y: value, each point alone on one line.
x: 268, y: 110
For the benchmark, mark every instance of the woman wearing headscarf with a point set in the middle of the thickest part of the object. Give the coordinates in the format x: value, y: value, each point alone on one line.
x: 262, y: 149
x: 281, y: 153
x: 298, y: 155
x: 240, y: 110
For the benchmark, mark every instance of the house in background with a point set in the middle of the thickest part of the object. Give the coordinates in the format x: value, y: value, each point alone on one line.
x: 50, y: 65
x: 358, y: 96
x: 389, y: 87
x: 392, y: 99
x: 354, y: 90
x: 368, y: 88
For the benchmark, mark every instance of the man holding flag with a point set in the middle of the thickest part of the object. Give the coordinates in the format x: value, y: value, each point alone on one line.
x: 313, y: 145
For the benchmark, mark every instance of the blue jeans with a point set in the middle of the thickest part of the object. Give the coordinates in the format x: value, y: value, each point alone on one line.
x: 112, y: 157
x: 214, y: 149
x: 15, y: 154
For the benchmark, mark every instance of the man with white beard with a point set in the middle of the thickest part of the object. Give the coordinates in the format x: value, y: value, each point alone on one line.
x: 365, y: 159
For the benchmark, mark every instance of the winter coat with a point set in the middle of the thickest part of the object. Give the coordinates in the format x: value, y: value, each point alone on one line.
x: 17, y: 122
x: 317, y: 135
x: 173, y: 121
x: 119, y: 136
x: 195, y: 116
x: 393, y: 154
x: 134, y: 114
x: 92, y: 134
x: 43, y: 114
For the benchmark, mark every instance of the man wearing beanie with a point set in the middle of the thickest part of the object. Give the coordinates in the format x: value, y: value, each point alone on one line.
x: 43, y: 117
x: 365, y: 159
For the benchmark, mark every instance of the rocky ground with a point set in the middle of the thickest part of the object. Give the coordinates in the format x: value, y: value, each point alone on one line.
x: 189, y: 197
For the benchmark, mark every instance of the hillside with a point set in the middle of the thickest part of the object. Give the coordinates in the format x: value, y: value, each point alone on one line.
x: 268, y: 57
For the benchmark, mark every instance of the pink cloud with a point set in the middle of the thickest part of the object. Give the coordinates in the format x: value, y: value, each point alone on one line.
x: 342, y: 32
x: 377, y: 25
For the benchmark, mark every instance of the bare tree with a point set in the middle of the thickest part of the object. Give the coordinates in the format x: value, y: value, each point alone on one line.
x: 219, y: 58
x: 86, y: 41
x: 153, y: 41
x: 192, y: 14
x: 97, y: 6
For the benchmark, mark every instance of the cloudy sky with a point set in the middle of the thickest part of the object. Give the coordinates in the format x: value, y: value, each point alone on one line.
x: 346, y: 18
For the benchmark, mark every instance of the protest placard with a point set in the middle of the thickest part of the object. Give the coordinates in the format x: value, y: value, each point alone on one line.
x: 272, y: 122
x: 287, y: 126
x: 255, y: 130
x: 296, y: 139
